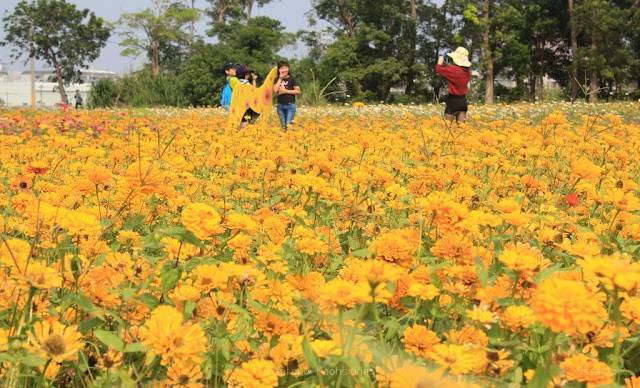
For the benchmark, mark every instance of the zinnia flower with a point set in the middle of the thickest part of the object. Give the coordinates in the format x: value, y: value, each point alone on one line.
x: 201, y: 219
x: 55, y: 342
x: 165, y: 334
x: 567, y: 306
x: 587, y: 370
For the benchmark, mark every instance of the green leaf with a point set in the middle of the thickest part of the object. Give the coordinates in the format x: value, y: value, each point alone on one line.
x: 31, y: 360
x: 109, y: 339
x: 149, y: 300
x: 169, y: 278
x: 86, y: 325
x: 518, y: 377
x: 481, y: 272
x: 540, y: 378
x: 364, y: 252
x: 85, y: 303
x: 135, y: 347
x: 309, y: 354
x: 224, y: 348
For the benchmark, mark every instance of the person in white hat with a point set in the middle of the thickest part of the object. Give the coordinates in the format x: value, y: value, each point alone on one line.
x: 458, y: 75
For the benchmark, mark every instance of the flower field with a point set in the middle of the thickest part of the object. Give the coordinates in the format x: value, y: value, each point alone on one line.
x: 366, y: 247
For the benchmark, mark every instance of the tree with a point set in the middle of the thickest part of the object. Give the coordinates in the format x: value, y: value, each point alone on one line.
x: 55, y: 31
x: 248, y: 5
x: 222, y: 10
x: 343, y: 15
x: 162, y: 26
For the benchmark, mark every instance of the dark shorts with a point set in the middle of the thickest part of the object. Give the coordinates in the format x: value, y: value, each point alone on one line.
x: 455, y: 104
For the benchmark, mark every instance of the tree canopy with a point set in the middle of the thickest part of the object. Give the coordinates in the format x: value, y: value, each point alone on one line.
x: 66, y: 38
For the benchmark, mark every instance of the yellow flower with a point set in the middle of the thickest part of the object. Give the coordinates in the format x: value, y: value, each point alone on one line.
x: 587, y: 370
x: 165, y: 334
x: 14, y: 254
x: 242, y: 222
x: 411, y: 376
x: 202, y: 220
x: 567, y: 306
x: 585, y: 169
x: 54, y: 342
x: 345, y: 293
x: 312, y: 245
x: 459, y: 359
x: 97, y: 174
x: 397, y: 246
x: 616, y: 270
x: 78, y: 223
x: 326, y: 348
x: 182, y: 374
x: 253, y: 374
x: 419, y: 340
x: 518, y: 318
x: 41, y: 276
x: 521, y: 257
x: 482, y: 315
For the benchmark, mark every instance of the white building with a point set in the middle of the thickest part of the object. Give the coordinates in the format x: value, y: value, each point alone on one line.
x: 15, y: 89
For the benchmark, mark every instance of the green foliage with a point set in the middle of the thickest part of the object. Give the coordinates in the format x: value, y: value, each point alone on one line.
x: 66, y: 38
x: 163, y: 32
x: 103, y: 94
x: 145, y: 89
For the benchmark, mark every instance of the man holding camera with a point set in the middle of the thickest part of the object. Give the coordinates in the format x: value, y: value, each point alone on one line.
x: 457, y: 75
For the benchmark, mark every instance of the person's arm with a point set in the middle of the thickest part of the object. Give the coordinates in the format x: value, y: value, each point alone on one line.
x: 254, y: 77
x: 296, y: 88
x: 276, y: 86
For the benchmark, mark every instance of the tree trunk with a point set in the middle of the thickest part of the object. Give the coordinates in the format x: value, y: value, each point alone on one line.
x: 574, y: 53
x: 154, y: 59
x: 56, y: 65
x: 412, y: 54
x: 249, y: 8
x: 532, y: 87
x: 541, y: 91
x: 593, y: 82
x: 488, y: 94
x: 192, y: 29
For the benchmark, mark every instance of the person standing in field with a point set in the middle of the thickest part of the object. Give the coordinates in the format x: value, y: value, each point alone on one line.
x: 457, y: 75
x: 78, y: 99
x: 287, y: 88
x: 229, y: 70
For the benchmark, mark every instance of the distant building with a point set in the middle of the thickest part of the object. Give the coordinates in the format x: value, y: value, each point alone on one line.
x: 87, y: 75
x: 15, y: 87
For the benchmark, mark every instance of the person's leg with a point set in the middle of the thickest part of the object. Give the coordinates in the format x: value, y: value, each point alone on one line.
x: 449, y: 117
x: 462, y: 117
x: 292, y: 113
x: 282, y: 115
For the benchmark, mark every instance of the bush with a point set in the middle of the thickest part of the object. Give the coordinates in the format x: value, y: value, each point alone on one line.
x: 103, y: 94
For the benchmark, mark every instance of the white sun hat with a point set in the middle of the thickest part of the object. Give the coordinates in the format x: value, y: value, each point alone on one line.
x: 460, y: 57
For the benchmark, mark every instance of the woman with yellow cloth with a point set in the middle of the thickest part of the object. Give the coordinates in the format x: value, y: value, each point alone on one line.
x: 249, y: 96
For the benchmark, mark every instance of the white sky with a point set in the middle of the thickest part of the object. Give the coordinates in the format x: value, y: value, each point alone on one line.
x: 291, y: 13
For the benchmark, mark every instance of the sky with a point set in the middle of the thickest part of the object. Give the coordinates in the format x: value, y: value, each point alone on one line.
x: 291, y: 13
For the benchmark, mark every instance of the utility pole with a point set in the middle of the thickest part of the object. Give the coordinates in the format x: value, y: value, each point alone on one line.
x: 33, y: 73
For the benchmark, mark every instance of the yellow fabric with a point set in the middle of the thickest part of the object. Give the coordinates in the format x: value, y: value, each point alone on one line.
x: 248, y: 96
x: 233, y: 82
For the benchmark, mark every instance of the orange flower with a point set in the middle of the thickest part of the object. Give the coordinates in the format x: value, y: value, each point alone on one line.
x: 419, y: 340
x: 587, y: 370
x: 567, y: 306
x: 201, y: 219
